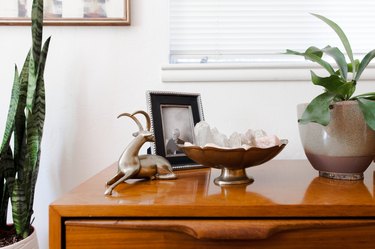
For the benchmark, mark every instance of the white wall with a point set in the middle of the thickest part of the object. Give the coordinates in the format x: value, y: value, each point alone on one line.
x: 95, y: 73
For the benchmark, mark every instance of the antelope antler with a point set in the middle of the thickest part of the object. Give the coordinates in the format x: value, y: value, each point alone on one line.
x: 132, y: 117
x: 148, y: 120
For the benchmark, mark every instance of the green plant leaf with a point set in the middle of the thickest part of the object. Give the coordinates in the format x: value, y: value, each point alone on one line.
x: 339, y: 57
x: 20, y: 115
x: 37, y: 36
x: 368, y: 110
x: 340, y: 33
x: 364, y: 63
x: 370, y: 96
x: 313, y: 56
x: 42, y: 62
x: 31, y: 85
x: 35, y: 122
x: 318, y: 110
x: 37, y: 29
x: 315, y: 51
x: 19, y: 208
x: 9, y: 126
x: 356, y: 65
x: 335, y: 85
x: 7, y: 173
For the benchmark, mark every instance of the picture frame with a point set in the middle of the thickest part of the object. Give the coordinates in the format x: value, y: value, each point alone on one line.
x: 68, y: 13
x: 174, y: 114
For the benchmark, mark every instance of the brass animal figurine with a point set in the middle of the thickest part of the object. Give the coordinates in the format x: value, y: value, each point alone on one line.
x: 134, y: 166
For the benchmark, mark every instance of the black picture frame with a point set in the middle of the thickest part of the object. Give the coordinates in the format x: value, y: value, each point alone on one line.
x: 170, y: 111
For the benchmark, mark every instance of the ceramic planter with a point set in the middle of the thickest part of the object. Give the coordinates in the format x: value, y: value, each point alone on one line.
x: 30, y: 242
x: 344, y: 148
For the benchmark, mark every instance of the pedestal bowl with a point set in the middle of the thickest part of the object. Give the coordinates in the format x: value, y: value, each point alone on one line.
x: 232, y: 162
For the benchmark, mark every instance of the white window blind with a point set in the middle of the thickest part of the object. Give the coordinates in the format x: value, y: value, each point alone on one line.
x: 241, y: 31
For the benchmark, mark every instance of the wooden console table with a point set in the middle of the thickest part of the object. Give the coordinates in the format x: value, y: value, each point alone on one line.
x: 287, y: 206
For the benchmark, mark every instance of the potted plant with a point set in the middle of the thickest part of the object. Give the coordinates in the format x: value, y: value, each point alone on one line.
x: 19, y: 164
x: 336, y: 127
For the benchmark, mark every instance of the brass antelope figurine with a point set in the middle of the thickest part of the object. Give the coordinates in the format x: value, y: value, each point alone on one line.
x: 132, y: 165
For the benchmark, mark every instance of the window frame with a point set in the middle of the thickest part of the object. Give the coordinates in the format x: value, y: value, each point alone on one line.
x: 256, y: 72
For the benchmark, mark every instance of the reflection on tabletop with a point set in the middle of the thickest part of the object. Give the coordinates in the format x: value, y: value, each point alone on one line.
x: 327, y: 191
x: 288, y: 184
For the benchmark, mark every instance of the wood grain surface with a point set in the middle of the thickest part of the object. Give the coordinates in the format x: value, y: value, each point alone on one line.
x: 285, y: 194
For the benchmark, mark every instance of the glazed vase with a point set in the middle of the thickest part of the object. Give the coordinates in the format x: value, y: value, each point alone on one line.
x: 344, y: 148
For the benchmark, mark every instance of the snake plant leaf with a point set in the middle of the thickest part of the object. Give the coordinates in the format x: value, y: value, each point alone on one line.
x: 19, y: 209
x: 20, y: 115
x: 365, y: 61
x: 313, y: 56
x: 7, y: 162
x: 32, y: 78
x: 35, y: 127
x: 7, y: 168
x: 42, y: 60
x: 35, y: 73
x: 370, y: 96
x: 6, y: 183
x: 339, y: 57
x: 37, y: 116
x: 340, y: 33
x: 318, y: 110
x: 7, y: 165
x: 37, y: 29
x: 368, y: 110
x: 9, y: 126
x: 37, y: 34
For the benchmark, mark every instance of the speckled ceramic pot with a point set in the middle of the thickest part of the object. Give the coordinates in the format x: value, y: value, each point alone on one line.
x: 344, y: 148
x: 30, y: 242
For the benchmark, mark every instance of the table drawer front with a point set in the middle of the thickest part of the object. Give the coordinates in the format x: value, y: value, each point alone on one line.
x: 224, y: 233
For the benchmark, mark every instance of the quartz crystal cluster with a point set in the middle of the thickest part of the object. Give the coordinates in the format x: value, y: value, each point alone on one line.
x: 207, y: 136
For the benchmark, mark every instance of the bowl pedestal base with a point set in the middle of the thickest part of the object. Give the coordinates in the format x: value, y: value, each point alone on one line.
x: 233, y: 177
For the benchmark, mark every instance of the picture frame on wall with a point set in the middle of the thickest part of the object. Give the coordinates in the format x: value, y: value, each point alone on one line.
x: 67, y: 12
x: 173, y: 117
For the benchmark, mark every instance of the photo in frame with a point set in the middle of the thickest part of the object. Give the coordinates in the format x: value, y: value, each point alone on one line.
x: 173, y: 117
x: 67, y: 12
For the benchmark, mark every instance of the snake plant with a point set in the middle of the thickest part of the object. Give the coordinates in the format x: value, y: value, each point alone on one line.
x: 341, y: 83
x: 19, y: 164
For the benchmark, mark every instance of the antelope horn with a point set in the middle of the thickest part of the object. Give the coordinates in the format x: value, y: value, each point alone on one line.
x: 132, y: 117
x: 148, y: 120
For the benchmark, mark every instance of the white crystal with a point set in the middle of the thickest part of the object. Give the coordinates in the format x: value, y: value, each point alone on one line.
x: 257, y: 134
x: 205, y: 136
x: 235, y: 140
x: 219, y: 139
x: 247, y: 137
x: 202, y: 132
x: 267, y: 141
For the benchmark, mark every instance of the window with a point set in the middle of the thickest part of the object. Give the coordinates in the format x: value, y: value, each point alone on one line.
x: 251, y: 31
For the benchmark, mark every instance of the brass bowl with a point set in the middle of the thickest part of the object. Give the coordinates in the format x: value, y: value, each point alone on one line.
x: 232, y: 162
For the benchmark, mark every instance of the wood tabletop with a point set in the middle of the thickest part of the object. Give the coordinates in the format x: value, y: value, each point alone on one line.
x: 282, y: 188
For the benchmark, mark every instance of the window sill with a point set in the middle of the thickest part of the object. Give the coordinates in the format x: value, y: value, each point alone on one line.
x: 256, y: 72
